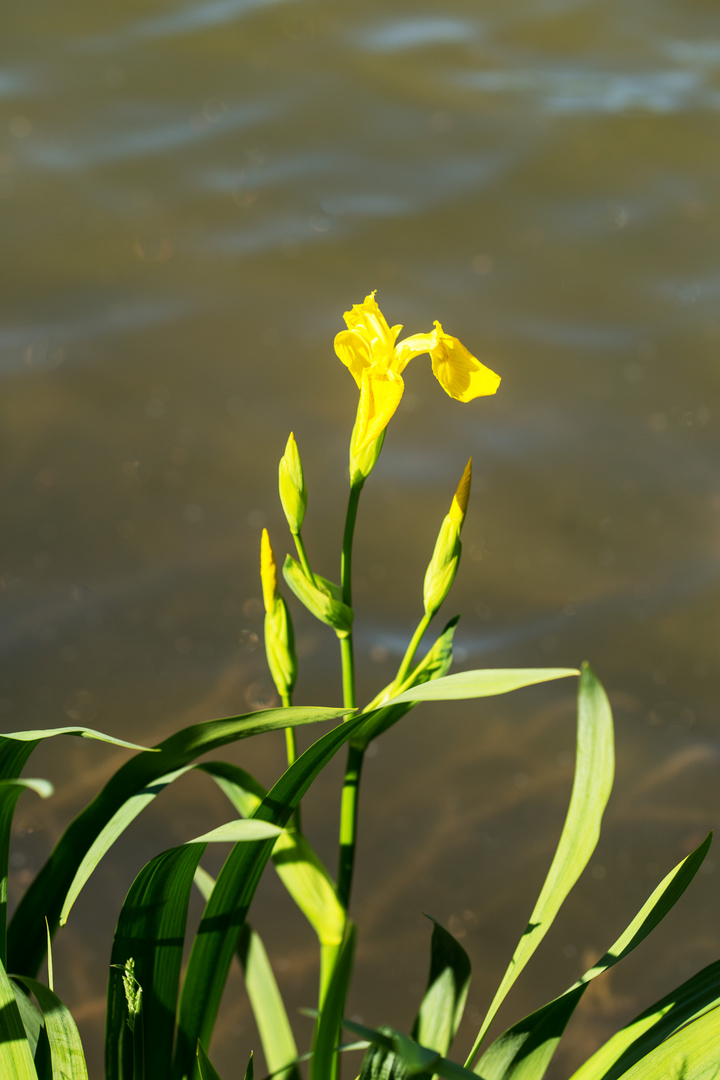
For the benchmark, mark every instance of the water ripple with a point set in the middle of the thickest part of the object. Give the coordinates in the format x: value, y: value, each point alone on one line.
x: 583, y: 91
x: 401, y: 34
x: 144, y: 142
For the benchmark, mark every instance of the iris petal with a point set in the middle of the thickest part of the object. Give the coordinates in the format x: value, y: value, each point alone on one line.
x: 459, y: 373
x: 380, y: 396
x: 355, y: 353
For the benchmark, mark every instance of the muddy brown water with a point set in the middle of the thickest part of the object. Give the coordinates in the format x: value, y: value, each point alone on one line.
x: 191, y: 195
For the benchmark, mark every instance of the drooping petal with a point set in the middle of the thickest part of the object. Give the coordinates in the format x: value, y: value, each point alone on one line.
x: 380, y: 396
x: 355, y: 353
x: 410, y: 347
x: 367, y: 319
x: 459, y: 373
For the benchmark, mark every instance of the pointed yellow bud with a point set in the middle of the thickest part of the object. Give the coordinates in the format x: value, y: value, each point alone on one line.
x: 462, y: 496
x: 279, y: 636
x: 443, y: 566
x: 293, y: 493
x: 268, y: 572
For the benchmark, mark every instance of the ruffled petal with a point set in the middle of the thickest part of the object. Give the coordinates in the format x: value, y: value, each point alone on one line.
x: 380, y: 396
x: 367, y: 319
x: 410, y: 347
x: 355, y: 353
x: 459, y: 373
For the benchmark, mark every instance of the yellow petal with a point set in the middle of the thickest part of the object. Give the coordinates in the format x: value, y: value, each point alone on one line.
x: 412, y: 346
x: 268, y: 572
x: 379, y: 398
x: 368, y: 320
x: 459, y: 506
x: 355, y: 353
x: 459, y: 373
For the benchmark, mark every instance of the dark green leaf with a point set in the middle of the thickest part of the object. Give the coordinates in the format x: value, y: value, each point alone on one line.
x: 227, y: 907
x: 444, y: 1000
x: 594, y: 769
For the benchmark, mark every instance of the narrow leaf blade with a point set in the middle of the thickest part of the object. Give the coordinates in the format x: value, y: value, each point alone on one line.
x: 481, y: 683
x: 66, y: 1050
x: 594, y: 769
x: 525, y: 1050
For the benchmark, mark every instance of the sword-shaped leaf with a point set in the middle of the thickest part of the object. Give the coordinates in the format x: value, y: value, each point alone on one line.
x: 219, y: 930
x: 594, y: 768
x: 16, y: 1058
x: 687, y: 1002
x: 66, y: 1050
x: 524, y: 1051
x: 297, y: 865
x: 481, y: 683
x: 136, y: 779
x: 444, y: 1001
x: 265, y: 999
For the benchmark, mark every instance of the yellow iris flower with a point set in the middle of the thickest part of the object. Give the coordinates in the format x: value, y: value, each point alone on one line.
x: 376, y: 360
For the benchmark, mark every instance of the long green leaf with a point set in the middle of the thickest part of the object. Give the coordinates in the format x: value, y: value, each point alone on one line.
x: 266, y: 1001
x: 444, y: 1000
x: 82, y: 732
x: 32, y: 1021
x: 594, y: 768
x: 238, y: 831
x: 525, y: 1050
x: 298, y: 867
x: 16, y: 1060
x: 107, y: 836
x: 66, y: 1050
x: 219, y: 931
x: 150, y: 931
x: 47, y: 893
x: 10, y: 792
x: 323, y: 1063
x: 692, y: 1053
x: 687, y: 1002
x: 482, y: 683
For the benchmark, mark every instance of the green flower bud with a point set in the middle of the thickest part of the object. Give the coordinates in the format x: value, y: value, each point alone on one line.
x: 293, y: 493
x: 362, y: 463
x: 445, y: 560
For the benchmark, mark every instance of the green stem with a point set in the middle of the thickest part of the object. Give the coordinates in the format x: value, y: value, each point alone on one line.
x: 349, y: 802
x: 291, y: 747
x: 303, y: 557
x: 411, y: 650
x: 346, y: 643
x: 348, y: 822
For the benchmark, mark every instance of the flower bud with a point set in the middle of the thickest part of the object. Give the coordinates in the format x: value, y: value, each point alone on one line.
x: 279, y: 635
x: 293, y: 493
x: 363, y: 462
x: 445, y: 560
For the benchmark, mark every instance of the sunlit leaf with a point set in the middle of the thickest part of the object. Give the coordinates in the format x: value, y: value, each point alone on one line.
x: 525, y: 1050
x: 482, y: 683
x: 594, y: 769
x: 79, y: 848
x: 66, y: 1050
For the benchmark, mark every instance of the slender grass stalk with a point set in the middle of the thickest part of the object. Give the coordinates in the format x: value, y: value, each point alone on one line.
x: 348, y: 822
x: 411, y: 650
x: 349, y: 801
x: 291, y: 747
x: 346, y: 643
x: 302, y: 555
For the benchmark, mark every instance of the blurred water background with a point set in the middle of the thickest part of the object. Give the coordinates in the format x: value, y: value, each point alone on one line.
x: 192, y: 193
